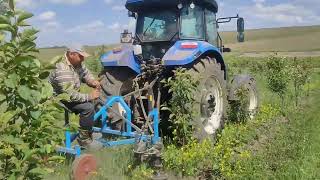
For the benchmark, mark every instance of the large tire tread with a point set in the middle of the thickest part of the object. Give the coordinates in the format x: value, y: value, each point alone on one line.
x: 204, y: 69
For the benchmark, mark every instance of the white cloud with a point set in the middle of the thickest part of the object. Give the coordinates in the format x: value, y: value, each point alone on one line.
x: 52, y: 24
x: 27, y: 3
x: 108, y: 1
x: 259, y: 1
x: 281, y: 14
x: 70, y: 2
x: 94, y: 26
x: 118, y: 8
x: 115, y: 26
x: 48, y: 15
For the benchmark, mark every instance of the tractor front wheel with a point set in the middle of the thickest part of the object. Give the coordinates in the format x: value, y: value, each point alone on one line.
x: 210, y: 98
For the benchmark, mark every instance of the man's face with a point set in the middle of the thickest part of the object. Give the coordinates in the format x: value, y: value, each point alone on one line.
x: 75, y: 58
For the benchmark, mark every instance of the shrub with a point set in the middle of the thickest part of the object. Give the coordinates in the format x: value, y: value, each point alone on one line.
x: 28, y: 129
x: 277, y: 73
x: 300, y: 73
x: 224, y: 159
x: 182, y: 87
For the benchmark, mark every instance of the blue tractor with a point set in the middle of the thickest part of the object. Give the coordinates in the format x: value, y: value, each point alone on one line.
x: 172, y: 34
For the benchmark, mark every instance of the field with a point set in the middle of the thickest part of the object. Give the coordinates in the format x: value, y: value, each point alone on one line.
x: 288, y: 39
x: 281, y: 142
x: 278, y: 145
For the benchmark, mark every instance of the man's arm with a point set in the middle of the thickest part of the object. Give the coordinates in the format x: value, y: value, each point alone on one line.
x: 74, y: 95
x: 88, y: 78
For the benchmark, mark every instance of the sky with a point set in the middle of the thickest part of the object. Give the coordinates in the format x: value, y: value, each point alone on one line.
x: 96, y: 22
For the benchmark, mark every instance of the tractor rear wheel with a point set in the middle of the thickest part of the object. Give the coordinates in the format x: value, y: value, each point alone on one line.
x: 210, y: 97
x: 243, y: 93
x: 116, y: 81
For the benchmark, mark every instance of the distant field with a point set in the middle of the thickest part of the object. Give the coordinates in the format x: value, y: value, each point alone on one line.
x: 48, y: 53
x: 288, y: 39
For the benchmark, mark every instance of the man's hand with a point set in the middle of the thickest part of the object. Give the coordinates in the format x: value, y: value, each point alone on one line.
x: 95, y: 84
x: 95, y: 94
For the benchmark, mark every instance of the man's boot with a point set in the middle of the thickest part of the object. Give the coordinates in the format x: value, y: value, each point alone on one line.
x: 86, y: 141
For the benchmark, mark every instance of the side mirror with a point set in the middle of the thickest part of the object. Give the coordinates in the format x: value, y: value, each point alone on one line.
x: 240, y: 25
x: 132, y: 14
x: 240, y: 37
x: 126, y: 37
x: 240, y: 29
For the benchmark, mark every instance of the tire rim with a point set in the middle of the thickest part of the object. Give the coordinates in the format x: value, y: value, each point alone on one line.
x: 253, y: 102
x: 212, y: 106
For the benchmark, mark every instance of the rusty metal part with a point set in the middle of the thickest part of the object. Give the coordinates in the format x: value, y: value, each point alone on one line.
x: 83, y: 167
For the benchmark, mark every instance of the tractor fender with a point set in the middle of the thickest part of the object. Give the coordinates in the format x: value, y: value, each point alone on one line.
x: 237, y: 82
x: 179, y: 56
x: 121, y: 57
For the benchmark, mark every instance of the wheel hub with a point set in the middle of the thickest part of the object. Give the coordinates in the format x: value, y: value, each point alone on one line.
x: 212, y: 106
x: 208, y: 105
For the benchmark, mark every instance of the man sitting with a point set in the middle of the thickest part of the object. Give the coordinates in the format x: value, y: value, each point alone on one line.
x: 67, y: 78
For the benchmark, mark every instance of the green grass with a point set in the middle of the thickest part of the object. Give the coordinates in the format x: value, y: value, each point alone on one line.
x: 281, y: 147
x: 291, y: 149
x: 286, y: 39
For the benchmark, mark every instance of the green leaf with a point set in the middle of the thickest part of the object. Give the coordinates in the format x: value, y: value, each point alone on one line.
x: 6, y: 117
x: 11, y: 140
x: 35, y: 97
x: 38, y: 171
x: 2, y: 36
x: 24, y: 92
x: 56, y: 158
x: 46, y: 91
x: 28, y: 155
x: 35, y: 114
x: 23, y: 16
x: 52, y: 64
x: 23, y: 24
x: 12, y: 81
x: 4, y: 20
x: 6, y: 27
x: 29, y: 33
x: 27, y: 45
x: 2, y: 97
x: 28, y: 62
x: 44, y: 75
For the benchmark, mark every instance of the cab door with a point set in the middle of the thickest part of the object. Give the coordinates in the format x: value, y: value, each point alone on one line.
x: 211, y: 27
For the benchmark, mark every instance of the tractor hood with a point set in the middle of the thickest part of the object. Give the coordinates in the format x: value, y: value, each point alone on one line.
x: 142, y: 5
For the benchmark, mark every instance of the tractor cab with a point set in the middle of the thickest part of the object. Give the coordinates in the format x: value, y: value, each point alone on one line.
x: 162, y: 23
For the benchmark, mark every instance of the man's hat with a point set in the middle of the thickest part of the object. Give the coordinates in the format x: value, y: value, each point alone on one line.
x: 78, y: 50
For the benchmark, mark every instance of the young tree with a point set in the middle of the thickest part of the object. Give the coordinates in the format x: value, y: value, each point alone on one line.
x: 28, y: 129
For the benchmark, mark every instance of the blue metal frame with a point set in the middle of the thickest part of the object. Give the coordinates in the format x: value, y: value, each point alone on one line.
x: 176, y: 55
x: 123, y: 57
x: 129, y: 133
